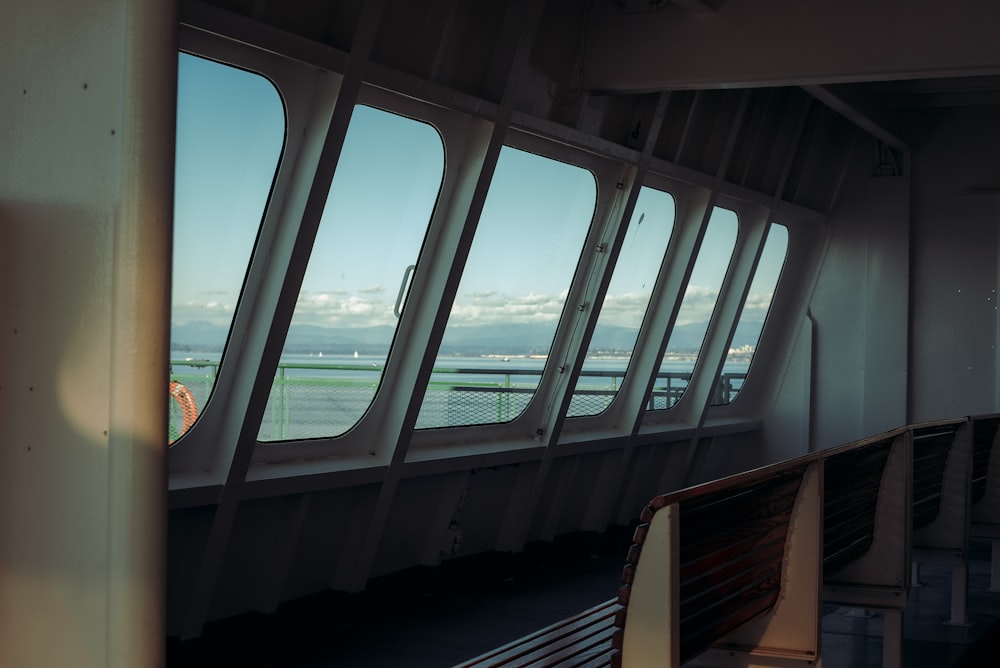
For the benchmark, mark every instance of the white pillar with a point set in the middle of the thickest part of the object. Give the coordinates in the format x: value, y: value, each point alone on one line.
x: 86, y: 191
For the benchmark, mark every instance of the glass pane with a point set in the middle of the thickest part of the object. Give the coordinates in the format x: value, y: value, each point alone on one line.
x: 754, y: 315
x: 520, y: 266
x: 696, y: 310
x: 625, y: 304
x: 230, y: 133
x: 374, y: 221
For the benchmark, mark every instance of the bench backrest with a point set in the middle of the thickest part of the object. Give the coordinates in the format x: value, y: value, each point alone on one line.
x: 867, y: 535
x: 710, y: 560
x: 942, y: 474
x: 984, y: 432
x: 852, y: 481
x: 932, y: 447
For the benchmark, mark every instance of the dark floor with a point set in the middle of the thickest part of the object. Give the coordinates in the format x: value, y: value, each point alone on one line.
x: 445, y: 630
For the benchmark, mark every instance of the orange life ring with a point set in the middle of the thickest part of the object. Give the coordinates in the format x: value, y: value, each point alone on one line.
x: 189, y: 409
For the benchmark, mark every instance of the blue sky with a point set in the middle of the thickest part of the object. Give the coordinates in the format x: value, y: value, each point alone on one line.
x: 230, y: 130
x: 230, y: 135
x: 374, y: 222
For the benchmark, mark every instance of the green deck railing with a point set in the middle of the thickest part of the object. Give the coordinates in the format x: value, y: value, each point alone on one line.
x: 310, y: 400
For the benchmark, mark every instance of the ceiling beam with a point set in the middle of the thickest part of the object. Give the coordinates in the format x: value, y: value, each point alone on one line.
x: 750, y: 43
x: 699, y: 6
x: 861, y: 111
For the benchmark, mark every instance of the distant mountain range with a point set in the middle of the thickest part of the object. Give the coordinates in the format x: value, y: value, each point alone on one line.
x: 508, y: 339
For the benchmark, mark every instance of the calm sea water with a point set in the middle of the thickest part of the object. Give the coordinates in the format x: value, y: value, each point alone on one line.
x: 367, y: 365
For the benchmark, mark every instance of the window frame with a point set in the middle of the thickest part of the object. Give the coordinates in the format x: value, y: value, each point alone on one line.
x: 375, y: 99
x: 576, y: 268
x: 689, y: 410
x: 626, y: 413
x: 201, y: 446
x: 256, y: 233
x: 768, y: 365
x: 769, y: 228
x: 656, y: 276
x: 351, y: 449
x: 201, y: 460
x: 522, y: 432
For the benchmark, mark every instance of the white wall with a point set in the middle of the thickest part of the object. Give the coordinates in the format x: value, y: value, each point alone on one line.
x: 956, y: 205
x: 860, y: 308
x: 905, y: 307
x: 85, y: 201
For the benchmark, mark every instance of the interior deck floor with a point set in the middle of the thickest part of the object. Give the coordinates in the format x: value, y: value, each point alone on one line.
x: 442, y: 631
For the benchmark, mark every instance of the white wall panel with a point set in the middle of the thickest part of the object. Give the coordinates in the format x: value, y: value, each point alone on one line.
x: 85, y: 203
x: 860, y: 309
x: 956, y: 206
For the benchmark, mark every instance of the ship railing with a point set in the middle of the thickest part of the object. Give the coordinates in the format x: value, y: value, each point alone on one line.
x: 335, y: 396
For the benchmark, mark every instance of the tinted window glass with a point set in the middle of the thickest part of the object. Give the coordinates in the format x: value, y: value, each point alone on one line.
x: 625, y: 303
x: 696, y: 309
x: 230, y: 132
x: 534, y: 221
x: 374, y: 221
x: 754, y: 314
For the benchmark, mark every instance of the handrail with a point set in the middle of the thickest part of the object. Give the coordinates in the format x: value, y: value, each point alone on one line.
x: 482, y: 371
x: 595, y: 391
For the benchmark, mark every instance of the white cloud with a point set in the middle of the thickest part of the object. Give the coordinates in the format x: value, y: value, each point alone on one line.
x: 756, y: 306
x: 213, y: 311
x: 625, y: 310
x: 490, y: 308
x: 336, y: 309
x: 697, y: 306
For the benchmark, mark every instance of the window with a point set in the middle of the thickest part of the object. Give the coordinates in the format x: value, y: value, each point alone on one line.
x: 374, y: 222
x: 697, y: 306
x: 516, y: 279
x: 230, y: 133
x: 625, y: 303
x: 755, y: 310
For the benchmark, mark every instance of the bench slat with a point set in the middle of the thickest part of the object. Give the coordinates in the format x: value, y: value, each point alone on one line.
x: 733, y: 546
x: 708, y: 526
x: 930, y: 456
x: 752, y: 591
x: 983, y: 433
x: 852, y: 480
x: 597, y: 620
x: 579, y: 649
x: 707, y: 582
x: 756, y: 597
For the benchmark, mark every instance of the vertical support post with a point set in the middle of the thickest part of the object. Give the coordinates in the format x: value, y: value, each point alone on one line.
x: 995, y: 565
x: 892, y: 638
x: 959, y: 594
x: 283, y: 411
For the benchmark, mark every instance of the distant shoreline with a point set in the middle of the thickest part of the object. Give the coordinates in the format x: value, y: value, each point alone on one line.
x: 690, y: 357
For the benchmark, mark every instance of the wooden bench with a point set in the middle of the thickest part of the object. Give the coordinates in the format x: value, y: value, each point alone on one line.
x: 942, y: 476
x: 711, y: 574
x: 865, y: 546
x: 985, y: 499
x: 866, y: 531
x: 736, y: 570
x: 708, y: 566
